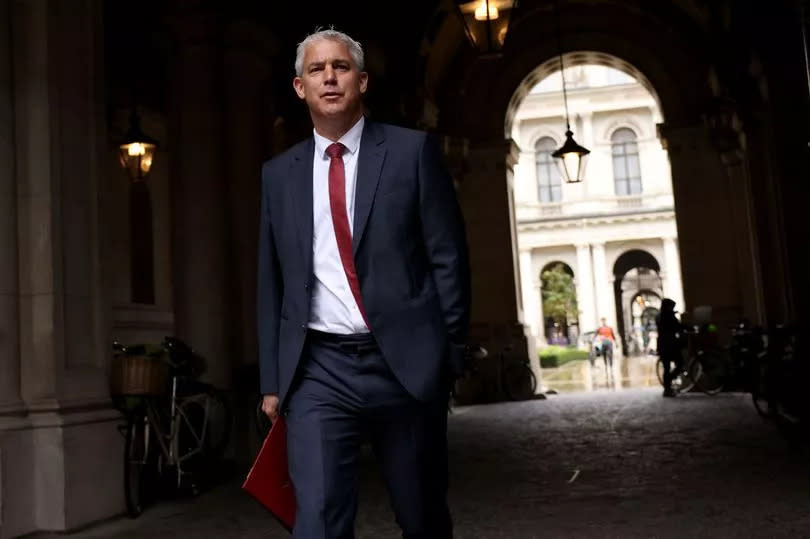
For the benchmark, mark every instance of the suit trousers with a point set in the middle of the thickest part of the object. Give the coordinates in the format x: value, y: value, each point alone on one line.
x: 345, y: 393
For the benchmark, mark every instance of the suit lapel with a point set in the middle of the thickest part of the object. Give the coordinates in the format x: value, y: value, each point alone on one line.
x: 369, y: 167
x: 301, y: 191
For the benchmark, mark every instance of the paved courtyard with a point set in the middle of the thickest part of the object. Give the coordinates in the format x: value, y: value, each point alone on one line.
x: 621, y: 464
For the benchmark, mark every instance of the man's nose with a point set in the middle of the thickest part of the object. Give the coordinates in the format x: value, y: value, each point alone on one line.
x: 331, y: 74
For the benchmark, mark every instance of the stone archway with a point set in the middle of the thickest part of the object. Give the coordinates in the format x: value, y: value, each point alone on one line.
x: 645, y: 270
x: 475, y: 98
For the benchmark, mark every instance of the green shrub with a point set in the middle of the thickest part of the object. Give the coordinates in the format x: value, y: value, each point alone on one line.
x: 556, y: 356
x: 549, y: 361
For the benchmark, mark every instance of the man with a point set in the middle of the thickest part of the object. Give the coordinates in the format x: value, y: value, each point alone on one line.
x: 606, y: 339
x: 669, y: 342
x: 363, y: 302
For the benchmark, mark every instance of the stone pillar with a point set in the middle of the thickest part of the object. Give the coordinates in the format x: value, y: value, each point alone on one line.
x: 672, y: 277
x: 9, y: 346
x: 584, y: 283
x: 707, y: 236
x: 248, y: 48
x: 532, y: 299
x: 748, y: 259
x: 486, y: 200
x: 541, y: 324
x: 62, y: 451
x: 199, y: 191
x: 605, y: 307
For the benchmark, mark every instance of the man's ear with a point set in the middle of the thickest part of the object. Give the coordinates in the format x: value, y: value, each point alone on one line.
x: 363, y: 82
x: 298, y: 84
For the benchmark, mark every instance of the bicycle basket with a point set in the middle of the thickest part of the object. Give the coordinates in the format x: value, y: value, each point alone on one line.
x: 138, y: 375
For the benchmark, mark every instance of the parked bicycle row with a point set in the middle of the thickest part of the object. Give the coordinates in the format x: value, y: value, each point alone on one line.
x: 771, y: 365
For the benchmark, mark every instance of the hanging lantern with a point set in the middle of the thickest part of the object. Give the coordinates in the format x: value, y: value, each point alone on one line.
x: 571, y: 156
x: 486, y: 23
x: 571, y: 159
x: 137, y: 150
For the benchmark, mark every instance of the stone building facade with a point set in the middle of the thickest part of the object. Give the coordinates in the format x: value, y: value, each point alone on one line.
x: 622, y: 214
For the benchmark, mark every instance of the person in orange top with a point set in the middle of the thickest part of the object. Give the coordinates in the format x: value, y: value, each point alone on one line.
x: 607, y: 338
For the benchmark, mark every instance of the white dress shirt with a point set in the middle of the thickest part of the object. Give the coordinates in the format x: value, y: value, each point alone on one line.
x: 333, y: 307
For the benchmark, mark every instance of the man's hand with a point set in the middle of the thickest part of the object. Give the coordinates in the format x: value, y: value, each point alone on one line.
x: 270, y: 406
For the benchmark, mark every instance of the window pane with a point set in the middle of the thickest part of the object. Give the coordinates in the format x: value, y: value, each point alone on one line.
x: 635, y: 186
x: 621, y: 186
x: 556, y: 193
x: 619, y: 167
x: 633, y: 168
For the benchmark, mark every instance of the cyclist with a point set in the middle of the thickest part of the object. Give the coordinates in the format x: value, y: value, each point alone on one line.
x: 606, y: 339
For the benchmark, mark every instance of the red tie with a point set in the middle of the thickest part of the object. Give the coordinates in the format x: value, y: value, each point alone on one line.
x: 340, y: 220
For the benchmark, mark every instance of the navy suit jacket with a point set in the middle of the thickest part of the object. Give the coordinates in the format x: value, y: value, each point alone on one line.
x: 410, y: 252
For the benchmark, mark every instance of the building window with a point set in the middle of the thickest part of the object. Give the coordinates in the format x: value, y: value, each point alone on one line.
x: 549, y: 184
x: 626, y: 169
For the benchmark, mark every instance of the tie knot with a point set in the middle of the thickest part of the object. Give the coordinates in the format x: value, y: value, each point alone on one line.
x: 335, y: 150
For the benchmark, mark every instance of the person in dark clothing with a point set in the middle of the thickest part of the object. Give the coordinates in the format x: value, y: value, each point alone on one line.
x: 670, y: 330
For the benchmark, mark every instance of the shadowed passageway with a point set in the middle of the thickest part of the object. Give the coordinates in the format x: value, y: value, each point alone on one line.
x: 602, y: 464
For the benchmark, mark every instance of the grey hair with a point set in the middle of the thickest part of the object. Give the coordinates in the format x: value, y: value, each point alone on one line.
x: 355, y: 49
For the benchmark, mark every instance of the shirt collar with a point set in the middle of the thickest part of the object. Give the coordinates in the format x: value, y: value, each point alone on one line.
x: 350, y: 139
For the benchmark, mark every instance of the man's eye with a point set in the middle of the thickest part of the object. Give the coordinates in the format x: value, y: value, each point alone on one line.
x: 314, y: 69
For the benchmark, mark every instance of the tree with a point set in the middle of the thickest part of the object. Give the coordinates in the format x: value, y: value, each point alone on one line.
x: 559, y: 295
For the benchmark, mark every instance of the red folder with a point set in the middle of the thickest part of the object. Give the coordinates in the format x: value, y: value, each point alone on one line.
x: 269, y: 480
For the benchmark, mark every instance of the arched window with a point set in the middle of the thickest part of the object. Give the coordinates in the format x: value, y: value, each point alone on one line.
x: 549, y: 186
x: 626, y: 169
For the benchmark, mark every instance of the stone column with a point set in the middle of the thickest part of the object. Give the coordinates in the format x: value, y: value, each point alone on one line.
x: 532, y: 300
x: 605, y: 302
x: 9, y: 346
x: 248, y: 48
x: 486, y: 199
x: 584, y: 283
x: 672, y: 277
x: 199, y: 191
x: 748, y: 259
x: 63, y: 455
x: 707, y: 236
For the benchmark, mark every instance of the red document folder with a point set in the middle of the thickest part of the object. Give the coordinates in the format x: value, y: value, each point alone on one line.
x: 269, y: 480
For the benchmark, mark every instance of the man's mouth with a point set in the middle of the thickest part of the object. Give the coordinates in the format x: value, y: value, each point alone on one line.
x: 328, y: 95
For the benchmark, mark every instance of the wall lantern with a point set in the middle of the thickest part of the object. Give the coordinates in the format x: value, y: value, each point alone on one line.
x: 571, y: 156
x: 486, y: 23
x: 137, y: 150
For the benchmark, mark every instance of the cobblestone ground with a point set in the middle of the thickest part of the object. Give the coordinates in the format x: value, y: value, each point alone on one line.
x: 618, y: 464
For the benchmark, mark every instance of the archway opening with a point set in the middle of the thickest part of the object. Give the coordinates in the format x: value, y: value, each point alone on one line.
x: 624, y: 207
x: 637, y: 285
x: 559, y: 299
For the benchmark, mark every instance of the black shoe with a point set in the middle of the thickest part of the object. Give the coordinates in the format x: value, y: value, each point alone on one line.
x: 669, y: 392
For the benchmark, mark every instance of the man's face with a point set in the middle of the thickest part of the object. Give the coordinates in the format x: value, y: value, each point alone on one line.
x: 330, y: 83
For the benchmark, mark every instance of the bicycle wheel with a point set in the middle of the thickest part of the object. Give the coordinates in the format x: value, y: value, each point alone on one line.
x: 684, y: 378
x: 519, y: 382
x: 139, y: 466
x: 205, y: 424
x: 713, y: 377
x: 659, y: 371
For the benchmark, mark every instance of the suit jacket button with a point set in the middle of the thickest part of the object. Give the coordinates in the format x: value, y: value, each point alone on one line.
x: 303, y: 327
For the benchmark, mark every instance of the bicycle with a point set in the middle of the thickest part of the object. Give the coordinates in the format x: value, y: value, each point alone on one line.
x: 175, y: 424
